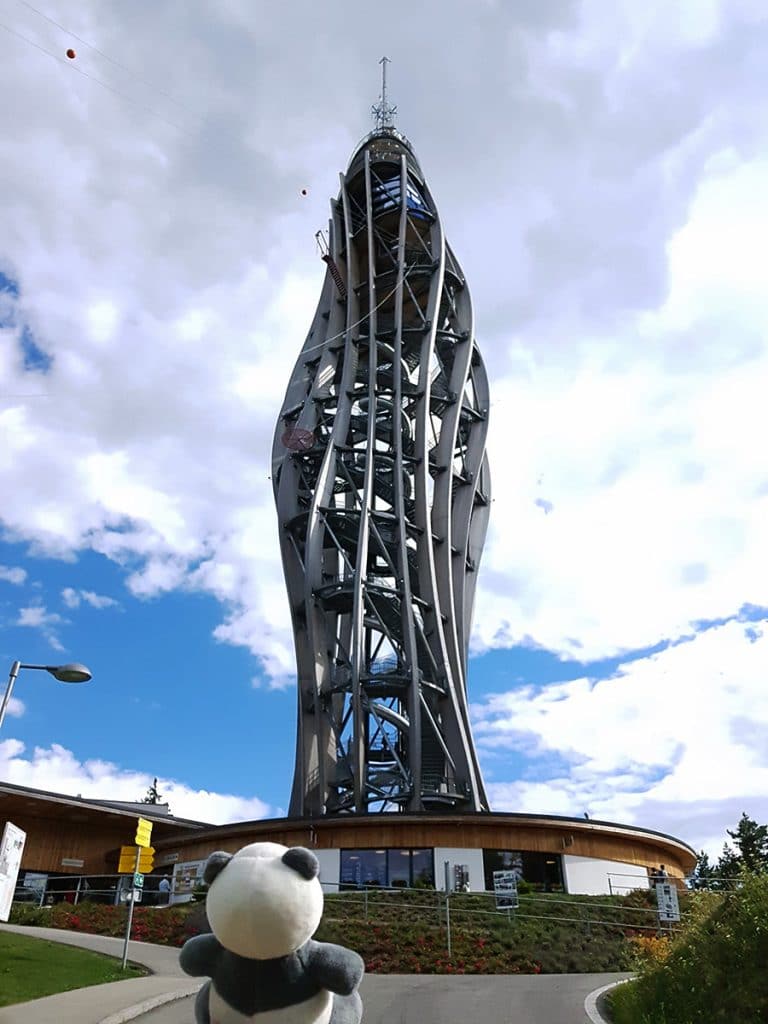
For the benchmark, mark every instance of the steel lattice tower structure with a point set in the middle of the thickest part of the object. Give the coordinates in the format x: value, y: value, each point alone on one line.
x: 382, y: 490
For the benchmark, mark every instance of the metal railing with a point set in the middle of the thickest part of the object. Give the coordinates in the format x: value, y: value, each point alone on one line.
x: 442, y: 910
x: 430, y: 908
x: 108, y: 889
x: 689, y: 883
x: 617, y: 887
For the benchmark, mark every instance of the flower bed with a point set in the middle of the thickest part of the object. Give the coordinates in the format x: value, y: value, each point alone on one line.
x: 165, y: 926
x: 405, y: 933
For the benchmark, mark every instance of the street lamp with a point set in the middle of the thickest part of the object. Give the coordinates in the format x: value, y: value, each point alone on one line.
x: 71, y: 673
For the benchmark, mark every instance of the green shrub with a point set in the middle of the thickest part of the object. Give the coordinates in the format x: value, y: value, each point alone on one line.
x: 29, y: 913
x: 715, y: 972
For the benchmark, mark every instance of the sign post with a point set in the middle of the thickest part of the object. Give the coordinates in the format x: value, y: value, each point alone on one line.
x: 143, y: 836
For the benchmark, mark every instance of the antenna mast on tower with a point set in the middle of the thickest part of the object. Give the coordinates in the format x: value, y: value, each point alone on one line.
x: 383, y: 112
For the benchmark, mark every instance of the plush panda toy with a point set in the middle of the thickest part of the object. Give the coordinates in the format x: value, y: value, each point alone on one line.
x: 264, y: 904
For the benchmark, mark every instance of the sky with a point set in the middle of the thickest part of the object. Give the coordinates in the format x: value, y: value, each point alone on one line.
x: 600, y: 171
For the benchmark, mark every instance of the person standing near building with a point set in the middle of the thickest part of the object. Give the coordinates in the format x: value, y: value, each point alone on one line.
x: 165, y: 890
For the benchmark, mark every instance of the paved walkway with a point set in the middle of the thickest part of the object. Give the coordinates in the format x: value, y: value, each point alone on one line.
x: 448, y: 999
x: 162, y: 997
x: 113, y: 1003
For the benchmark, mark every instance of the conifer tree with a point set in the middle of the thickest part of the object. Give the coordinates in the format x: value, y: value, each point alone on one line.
x: 752, y: 843
x: 152, y: 795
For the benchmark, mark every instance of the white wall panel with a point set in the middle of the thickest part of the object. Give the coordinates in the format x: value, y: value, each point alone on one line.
x: 455, y: 855
x: 588, y: 876
x: 330, y: 867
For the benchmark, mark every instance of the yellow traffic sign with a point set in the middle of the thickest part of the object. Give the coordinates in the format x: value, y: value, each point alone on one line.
x: 127, y: 863
x: 143, y: 832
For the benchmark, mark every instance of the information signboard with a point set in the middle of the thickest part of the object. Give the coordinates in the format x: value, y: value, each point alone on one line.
x: 505, y: 889
x: 11, y: 849
x: 666, y: 899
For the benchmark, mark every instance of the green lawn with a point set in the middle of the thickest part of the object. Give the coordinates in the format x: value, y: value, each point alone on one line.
x: 31, y: 968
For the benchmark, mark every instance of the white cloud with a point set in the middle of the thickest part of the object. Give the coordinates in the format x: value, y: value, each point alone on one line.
x: 670, y: 737
x: 57, y: 769
x: 16, y: 708
x: 97, y: 600
x: 644, y: 452
x: 13, y: 574
x: 72, y: 598
x: 37, y: 616
x: 103, y: 319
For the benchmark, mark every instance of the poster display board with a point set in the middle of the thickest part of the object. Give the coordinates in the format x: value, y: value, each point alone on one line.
x: 11, y: 849
x: 666, y: 899
x: 185, y: 878
x: 505, y: 889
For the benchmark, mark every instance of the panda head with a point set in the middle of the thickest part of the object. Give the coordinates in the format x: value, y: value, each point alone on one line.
x: 265, y: 901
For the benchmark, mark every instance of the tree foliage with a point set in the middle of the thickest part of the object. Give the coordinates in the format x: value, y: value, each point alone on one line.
x: 749, y: 853
x: 751, y: 842
x: 152, y: 795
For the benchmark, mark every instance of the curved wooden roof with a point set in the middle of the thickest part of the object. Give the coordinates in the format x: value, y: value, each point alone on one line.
x: 530, y: 832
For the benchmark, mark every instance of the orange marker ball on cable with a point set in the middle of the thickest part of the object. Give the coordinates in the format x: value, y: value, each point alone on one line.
x: 71, y: 54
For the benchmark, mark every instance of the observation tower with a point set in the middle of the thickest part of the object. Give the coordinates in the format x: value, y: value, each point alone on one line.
x: 382, y: 490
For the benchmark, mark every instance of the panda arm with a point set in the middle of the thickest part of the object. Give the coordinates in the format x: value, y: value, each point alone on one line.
x: 338, y: 969
x: 199, y: 955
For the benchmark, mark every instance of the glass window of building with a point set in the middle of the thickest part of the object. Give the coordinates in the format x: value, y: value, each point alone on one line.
x: 399, y: 862
x: 401, y: 869
x: 423, y: 869
x: 542, y: 871
x: 364, y: 867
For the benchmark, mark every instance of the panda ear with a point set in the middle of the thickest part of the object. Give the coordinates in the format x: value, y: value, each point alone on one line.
x: 215, y: 865
x: 303, y: 861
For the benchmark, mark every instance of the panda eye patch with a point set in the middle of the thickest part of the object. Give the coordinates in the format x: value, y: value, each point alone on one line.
x: 303, y: 861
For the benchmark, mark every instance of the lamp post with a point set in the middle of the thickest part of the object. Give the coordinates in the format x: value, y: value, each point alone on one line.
x: 71, y: 673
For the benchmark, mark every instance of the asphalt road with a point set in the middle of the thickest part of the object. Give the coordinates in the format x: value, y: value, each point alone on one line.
x: 467, y: 999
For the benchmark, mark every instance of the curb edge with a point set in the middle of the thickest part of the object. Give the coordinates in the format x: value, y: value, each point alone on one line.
x: 139, y: 1009
x: 590, y: 1003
